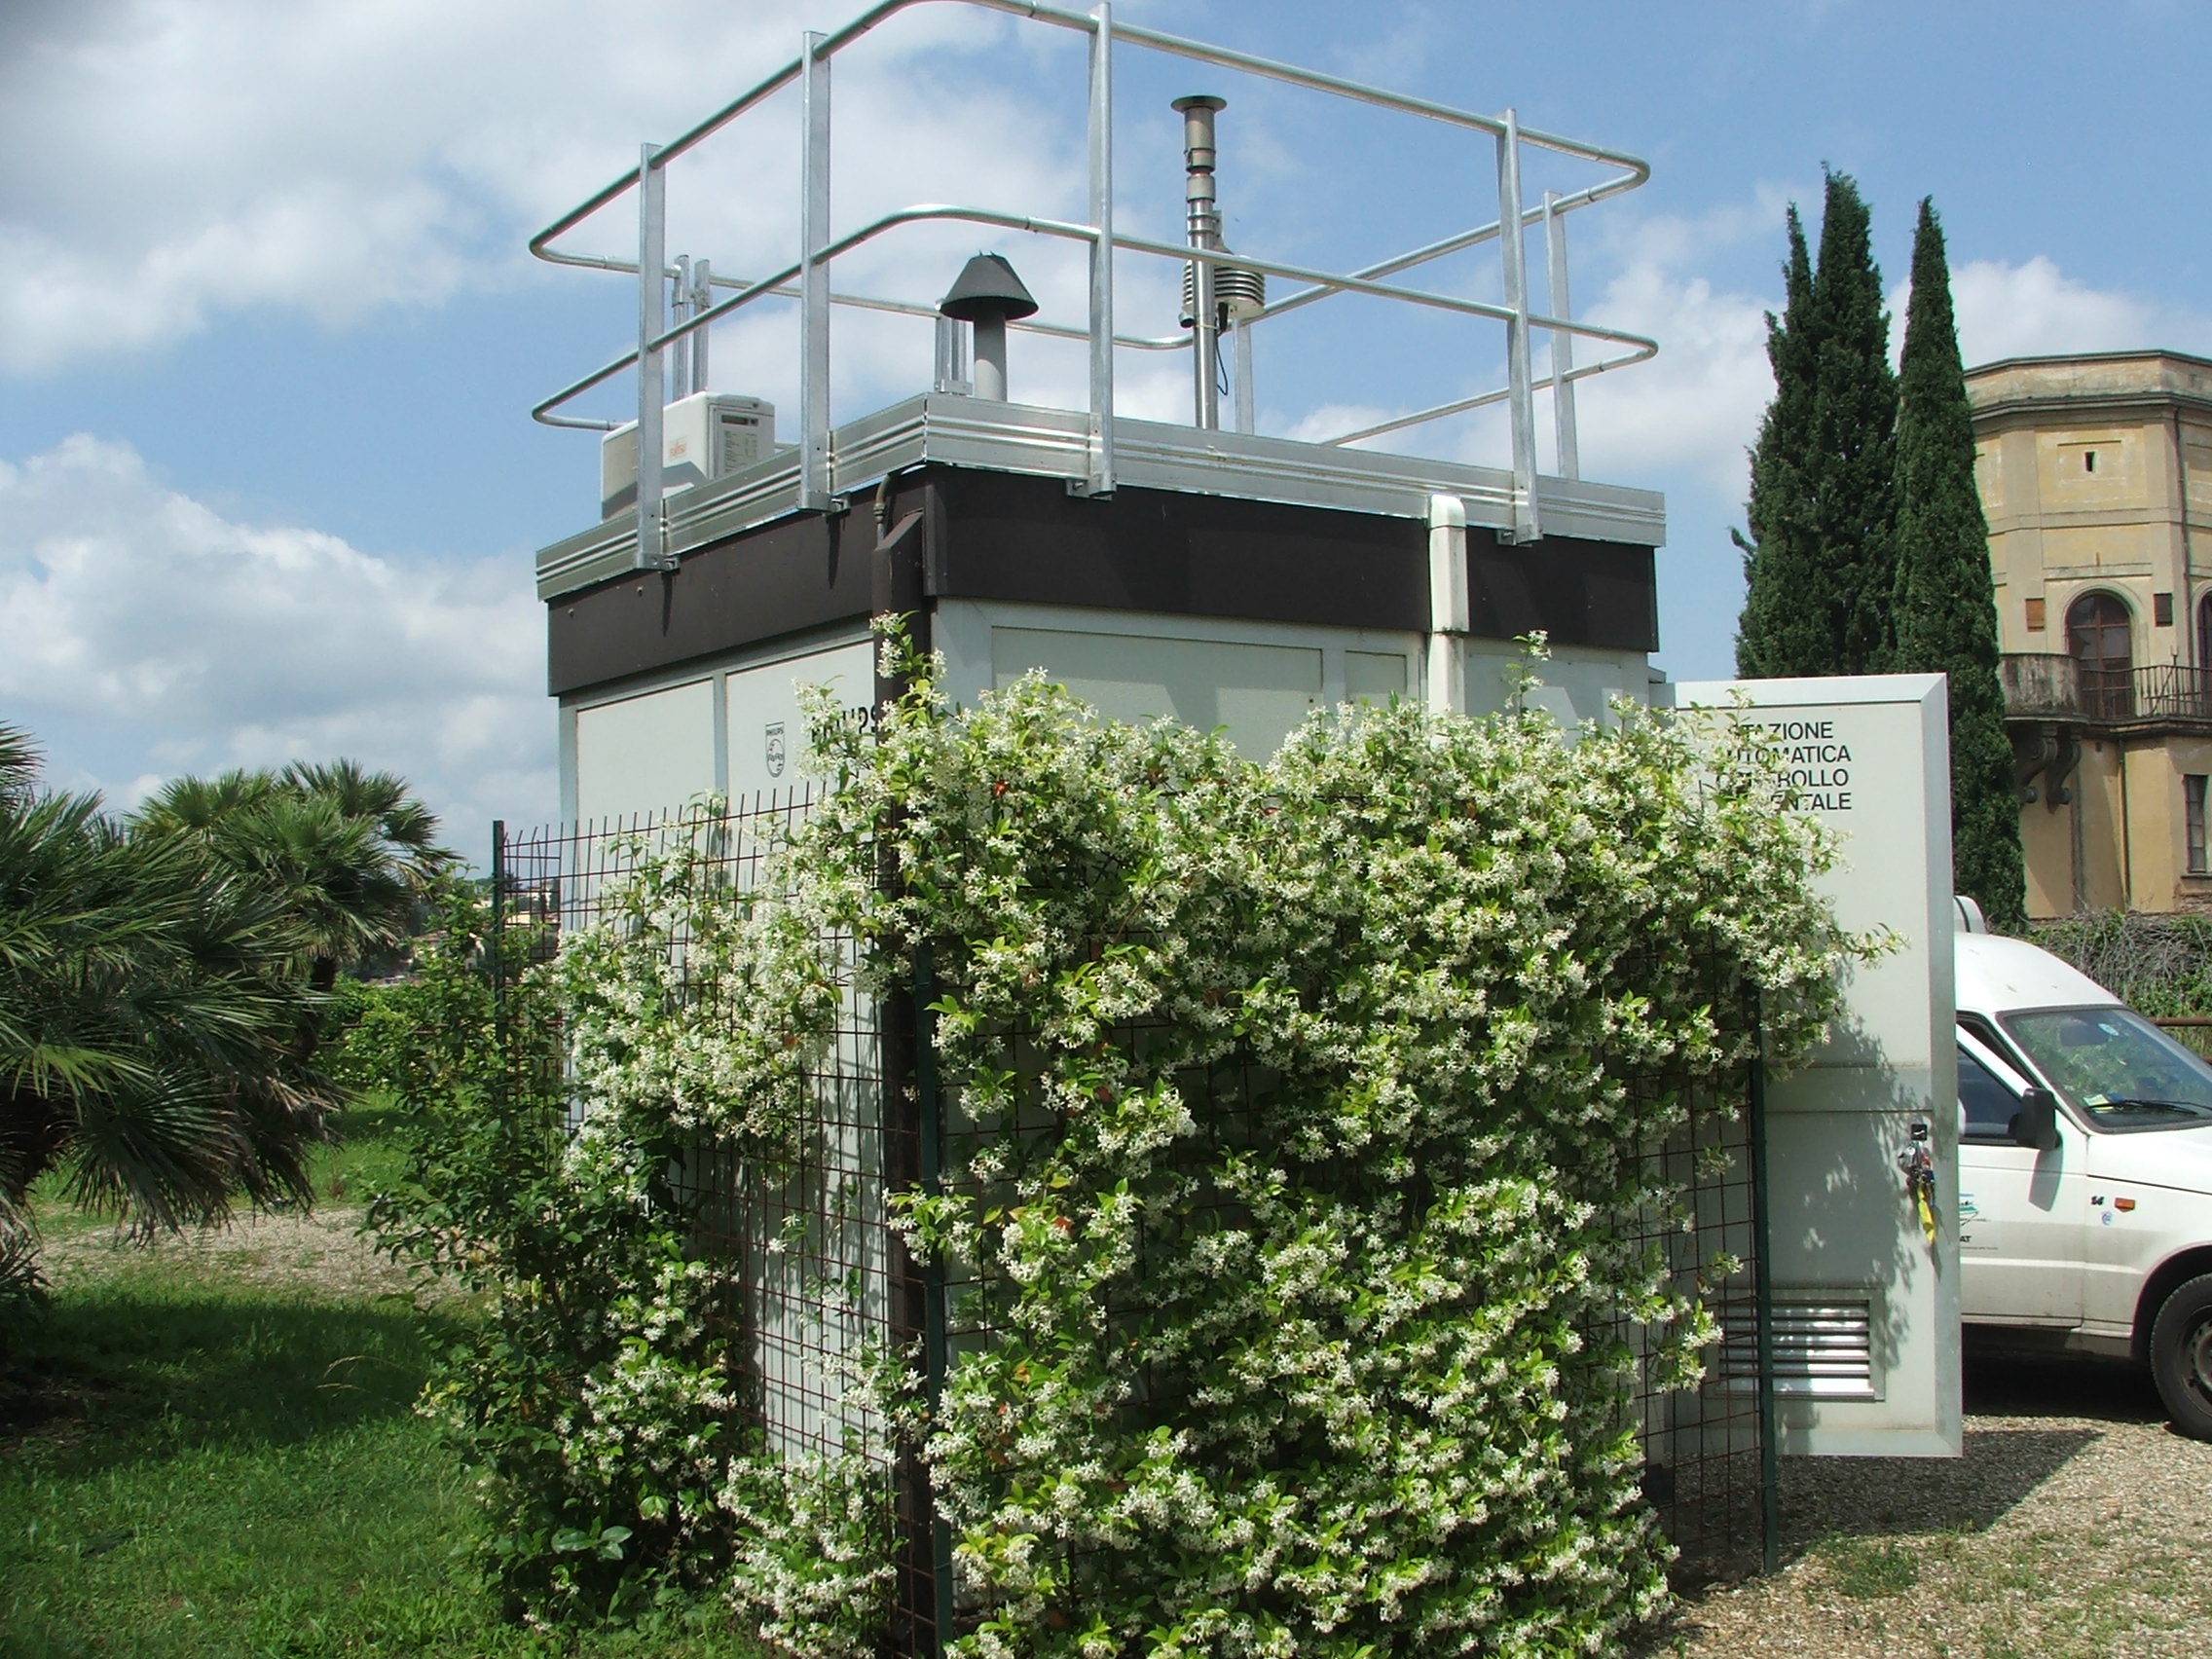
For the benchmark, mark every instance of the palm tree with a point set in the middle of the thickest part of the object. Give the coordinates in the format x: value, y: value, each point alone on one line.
x: 162, y: 982
x: 348, y: 851
x: 391, y: 845
x: 148, y: 1009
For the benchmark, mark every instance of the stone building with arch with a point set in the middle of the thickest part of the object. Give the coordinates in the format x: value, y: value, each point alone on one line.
x: 2095, y: 473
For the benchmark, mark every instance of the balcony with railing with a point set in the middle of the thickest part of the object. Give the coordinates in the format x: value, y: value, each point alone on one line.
x: 2048, y: 685
x: 2041, y: 682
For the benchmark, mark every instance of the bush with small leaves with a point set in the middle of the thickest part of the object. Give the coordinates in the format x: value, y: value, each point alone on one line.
x: 1309, y: 1111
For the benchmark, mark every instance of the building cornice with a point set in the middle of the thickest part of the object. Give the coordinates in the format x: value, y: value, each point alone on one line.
x: 2070, y: 359
x: 2031, y: 392
x: 2078, y: 410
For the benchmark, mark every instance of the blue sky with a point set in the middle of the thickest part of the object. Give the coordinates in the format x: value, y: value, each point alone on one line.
x: 268, y: 338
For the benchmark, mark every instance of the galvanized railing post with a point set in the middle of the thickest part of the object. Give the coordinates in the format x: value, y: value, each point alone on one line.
x: 1101, y: 481
x: 951, y: 356
x: 814, y: 280
x: 1243, y: 412
x: 1563, y: 343
x: 653, y: 390
x: 702, y: 296
x: 1520, y: 376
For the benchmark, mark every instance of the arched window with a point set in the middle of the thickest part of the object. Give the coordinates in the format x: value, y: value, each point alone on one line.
x: 2097, y: 639
x: 2204, y: 637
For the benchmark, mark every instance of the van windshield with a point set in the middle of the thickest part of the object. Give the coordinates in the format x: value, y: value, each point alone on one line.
x: 2117, y: 1067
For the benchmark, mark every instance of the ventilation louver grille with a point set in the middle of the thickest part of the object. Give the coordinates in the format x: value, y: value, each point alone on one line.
x: 1823, y: 1345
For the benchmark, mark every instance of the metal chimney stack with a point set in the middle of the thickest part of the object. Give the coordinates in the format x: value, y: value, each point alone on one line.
x: 989, y: 295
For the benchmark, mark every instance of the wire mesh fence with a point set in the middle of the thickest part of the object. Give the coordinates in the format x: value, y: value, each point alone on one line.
x: 1701, y: 1446
x: 822, y: 1284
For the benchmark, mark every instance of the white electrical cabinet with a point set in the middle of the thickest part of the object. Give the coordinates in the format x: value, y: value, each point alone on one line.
x: 640, y: 754
x: 735, y: 728
x: 1255, y: 680
x: 765, y: 725
x: 738, y: 727
x: 1866, y: 1304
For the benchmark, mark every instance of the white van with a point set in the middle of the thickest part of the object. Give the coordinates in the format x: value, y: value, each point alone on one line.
x: 2084, y: 1170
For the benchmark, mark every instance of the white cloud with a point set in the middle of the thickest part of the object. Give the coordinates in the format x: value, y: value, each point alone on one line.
x: 163, y: 161
x: 2019, y: 310
x: 165, y: 638
x: 1695, y: 409
x: 1691, y: 411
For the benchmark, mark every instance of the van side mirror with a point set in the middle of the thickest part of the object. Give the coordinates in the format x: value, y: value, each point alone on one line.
x: 2036, y: 1123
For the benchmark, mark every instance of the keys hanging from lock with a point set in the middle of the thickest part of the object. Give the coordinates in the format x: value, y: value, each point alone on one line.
x: 1919, y: 1181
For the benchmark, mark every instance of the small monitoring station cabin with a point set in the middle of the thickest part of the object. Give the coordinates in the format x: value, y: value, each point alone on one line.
x: 1200, y: 567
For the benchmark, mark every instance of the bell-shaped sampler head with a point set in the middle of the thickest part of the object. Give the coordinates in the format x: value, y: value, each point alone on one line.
x: 1198, y: 113
x: 989, y: 295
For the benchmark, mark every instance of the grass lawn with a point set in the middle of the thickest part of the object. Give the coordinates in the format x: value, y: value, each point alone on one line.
x: 219, y: 1455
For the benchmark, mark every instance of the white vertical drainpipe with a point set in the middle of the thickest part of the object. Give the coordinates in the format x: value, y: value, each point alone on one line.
x: 1450, y: 607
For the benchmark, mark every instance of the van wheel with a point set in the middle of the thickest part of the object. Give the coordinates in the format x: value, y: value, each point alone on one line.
x: 2180, y: 1357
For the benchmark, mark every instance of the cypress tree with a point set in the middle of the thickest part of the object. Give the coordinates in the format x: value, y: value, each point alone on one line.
x: 1855, y: 431
x: 1945, y: 613
x: 1820, y: 565
x: 1784, y: 625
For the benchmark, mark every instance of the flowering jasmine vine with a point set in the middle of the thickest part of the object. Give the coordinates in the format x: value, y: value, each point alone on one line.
x: 1306, y: 1112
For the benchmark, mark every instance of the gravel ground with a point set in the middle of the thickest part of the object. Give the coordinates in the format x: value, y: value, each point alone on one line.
x: 2076, y: 1525
x: 321, y: 1254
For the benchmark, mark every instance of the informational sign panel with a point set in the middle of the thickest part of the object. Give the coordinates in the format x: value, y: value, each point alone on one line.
x: 1863, y: 1141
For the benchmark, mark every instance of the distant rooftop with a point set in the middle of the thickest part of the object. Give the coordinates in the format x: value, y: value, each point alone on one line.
x: 2107, y: 381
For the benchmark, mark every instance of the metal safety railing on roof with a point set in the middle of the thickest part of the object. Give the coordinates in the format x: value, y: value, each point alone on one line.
x: 808, y: 278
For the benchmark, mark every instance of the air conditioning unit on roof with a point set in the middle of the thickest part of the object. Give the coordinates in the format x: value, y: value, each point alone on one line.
x: 704, y: 436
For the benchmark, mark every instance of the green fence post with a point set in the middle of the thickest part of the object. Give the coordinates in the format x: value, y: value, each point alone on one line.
x: 936, y: 1337
x: 499, y: 922
x: 1762, y: 1281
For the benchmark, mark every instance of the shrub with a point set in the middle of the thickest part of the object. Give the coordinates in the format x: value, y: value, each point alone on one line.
x: 1311, y: 1107
x: 2160, y: 965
